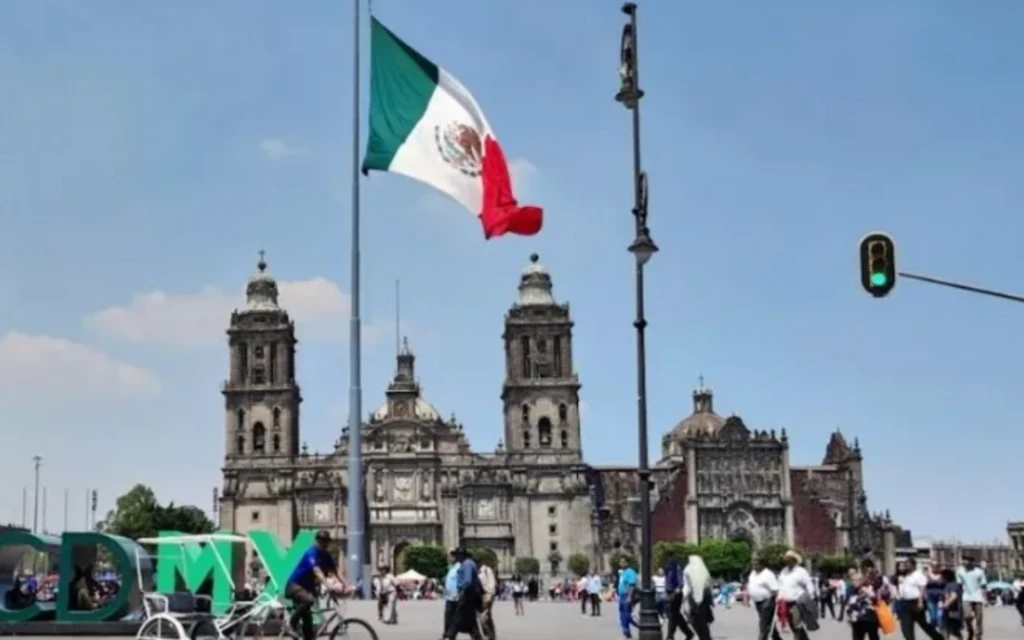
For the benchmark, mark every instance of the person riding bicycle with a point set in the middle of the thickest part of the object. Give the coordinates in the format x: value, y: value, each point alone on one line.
x: 317, y: 567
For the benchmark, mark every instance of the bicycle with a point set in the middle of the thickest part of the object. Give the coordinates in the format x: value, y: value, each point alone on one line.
x: 335, y: 625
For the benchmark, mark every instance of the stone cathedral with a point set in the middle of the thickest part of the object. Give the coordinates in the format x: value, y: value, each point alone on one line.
x: 534, y: 496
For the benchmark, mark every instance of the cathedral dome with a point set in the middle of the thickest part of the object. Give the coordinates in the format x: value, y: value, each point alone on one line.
x: 703, y: 420
x: 422, y: 411
x: 261, y: 291
x: 535, y: 285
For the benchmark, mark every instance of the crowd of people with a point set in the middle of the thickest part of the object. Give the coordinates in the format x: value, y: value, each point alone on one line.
x: 942, y: 602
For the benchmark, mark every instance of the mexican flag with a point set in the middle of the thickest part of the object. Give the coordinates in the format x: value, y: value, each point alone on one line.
x: 425, y: 125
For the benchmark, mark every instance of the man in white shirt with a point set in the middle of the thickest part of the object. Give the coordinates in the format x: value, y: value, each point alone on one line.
x: 910, y: 592
x: 796, y: 590
x: 972, y: 578
x: 582, y: 594
x: 762, y: 589
x: 594, y: 590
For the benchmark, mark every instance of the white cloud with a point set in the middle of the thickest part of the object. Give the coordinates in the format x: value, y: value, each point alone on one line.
x: 36, y: 364
x: 318, y: 307
x: 524, y: 178
x: 277, y: 149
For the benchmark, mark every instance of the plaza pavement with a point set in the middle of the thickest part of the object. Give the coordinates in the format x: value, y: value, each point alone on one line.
x: 561, y: 620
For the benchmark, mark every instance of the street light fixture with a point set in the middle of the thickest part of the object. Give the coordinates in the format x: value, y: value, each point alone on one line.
x: 642, y: 248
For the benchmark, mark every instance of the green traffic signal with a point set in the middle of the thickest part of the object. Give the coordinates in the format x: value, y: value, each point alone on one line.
x: 877, y: 264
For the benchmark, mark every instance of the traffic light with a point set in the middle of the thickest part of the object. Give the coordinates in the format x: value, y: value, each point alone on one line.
x: 877, y: 264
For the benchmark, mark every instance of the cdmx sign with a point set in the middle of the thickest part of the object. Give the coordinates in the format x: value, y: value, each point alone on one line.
x: 171, y: 567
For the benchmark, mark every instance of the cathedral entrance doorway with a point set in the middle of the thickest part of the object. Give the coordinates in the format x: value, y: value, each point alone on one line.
x: 398, y: 557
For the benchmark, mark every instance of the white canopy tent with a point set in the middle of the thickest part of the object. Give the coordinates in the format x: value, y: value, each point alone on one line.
x: 411, y: 576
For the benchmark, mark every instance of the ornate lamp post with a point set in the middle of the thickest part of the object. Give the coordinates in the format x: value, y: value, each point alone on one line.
x: 642, y: 249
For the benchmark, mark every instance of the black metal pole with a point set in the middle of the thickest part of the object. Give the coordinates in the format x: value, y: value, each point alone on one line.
x: 35, y: 511
x: 963, y: 287
x: 649, y: 620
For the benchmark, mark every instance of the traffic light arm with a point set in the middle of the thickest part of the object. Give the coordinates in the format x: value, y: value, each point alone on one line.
x: 962, y: 287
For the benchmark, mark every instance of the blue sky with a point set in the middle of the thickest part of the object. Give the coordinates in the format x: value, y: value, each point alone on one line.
x: 148, y: 150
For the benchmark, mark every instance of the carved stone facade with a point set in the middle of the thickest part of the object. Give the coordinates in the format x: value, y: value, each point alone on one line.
x: 726, y: 481
x: 532, y: 497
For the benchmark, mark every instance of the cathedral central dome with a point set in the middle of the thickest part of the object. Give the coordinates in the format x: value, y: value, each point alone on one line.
x: 421, y: 410
x: 703, y: 420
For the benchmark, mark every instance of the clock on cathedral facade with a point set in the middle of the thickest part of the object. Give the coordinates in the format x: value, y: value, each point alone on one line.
x: 534, y: 495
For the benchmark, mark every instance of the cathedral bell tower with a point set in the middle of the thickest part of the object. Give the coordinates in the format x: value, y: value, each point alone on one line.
x: 261, y: 396
x: 541, y: 391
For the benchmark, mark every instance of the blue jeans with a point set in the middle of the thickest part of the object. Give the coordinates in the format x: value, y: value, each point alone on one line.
x: 625, y: 615
x: 934, y: 612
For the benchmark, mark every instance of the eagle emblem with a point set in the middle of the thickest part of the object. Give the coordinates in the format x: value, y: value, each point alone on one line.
x: 460, y: 146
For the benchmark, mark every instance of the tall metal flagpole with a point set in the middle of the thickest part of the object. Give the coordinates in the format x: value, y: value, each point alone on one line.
x: 356, y: 490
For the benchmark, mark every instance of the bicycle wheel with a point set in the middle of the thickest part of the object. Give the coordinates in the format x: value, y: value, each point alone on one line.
x: 353, y: 629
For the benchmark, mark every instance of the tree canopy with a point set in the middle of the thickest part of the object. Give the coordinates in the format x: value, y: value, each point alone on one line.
x: 138, y: 514
x: 579, y: 563
x: 527, y: 566
x: 429, y: 560
x: 724, y: 558
x: 486, y: 556
x: 619, y: 556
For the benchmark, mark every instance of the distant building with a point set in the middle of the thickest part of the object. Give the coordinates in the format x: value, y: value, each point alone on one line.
x: 997, y: 558
x: 1015, y: 532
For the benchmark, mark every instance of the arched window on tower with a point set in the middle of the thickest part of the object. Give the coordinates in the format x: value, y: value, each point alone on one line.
x: 272, y: 368
x: 544, y: 432
x: 259, y: 438
x: 276, y: 440
x: 240, y: 419
x: 526, y: 414
x: 240, y: 444
x: 565, y: 439
x: 243, y: 361
x: 526, y: 438
x: 277, y: 416
x: 524, y: 347
x: 563, y: 413
x: 557, y: 349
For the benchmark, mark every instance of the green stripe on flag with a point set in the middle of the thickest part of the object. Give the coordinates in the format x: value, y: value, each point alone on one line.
x: 401, y: 85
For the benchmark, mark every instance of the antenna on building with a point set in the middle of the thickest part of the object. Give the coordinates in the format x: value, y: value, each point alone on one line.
x: 398, y: 318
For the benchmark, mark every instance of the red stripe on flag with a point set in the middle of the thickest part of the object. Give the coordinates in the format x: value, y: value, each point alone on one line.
x: 501, y: 213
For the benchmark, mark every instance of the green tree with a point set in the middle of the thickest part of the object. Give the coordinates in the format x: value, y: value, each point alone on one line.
x: 427, y: 559
x: 486, y: 556
x: 666, y: 550
x: 183, y: 519
x: 579, y: 564
x: 619, y: 556
x: 555, y: 559
x: 527, y: 566
x: 835, y: 565
x: 771, y: 554
x: 135, y: 514
x: 726, y: 559
x: 138, y: 514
